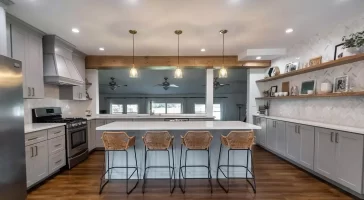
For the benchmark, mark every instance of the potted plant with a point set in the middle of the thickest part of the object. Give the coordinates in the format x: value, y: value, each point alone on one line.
x: 354, y: 44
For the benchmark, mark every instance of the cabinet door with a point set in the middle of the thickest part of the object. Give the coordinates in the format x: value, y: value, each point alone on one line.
x: 41, y: 160
x: 257, y: 132
x: 281, y: 137
x: 271, y: 135
x: 29, y: 165
x: 91, y: 134
x: 263, y: 131
x: 19, y: 40
x: 98, y: 134
x: 307, y: 145
x: 293, y: 142
x: 34, y: 66
x: 349, y: 160
x: 324, y: 152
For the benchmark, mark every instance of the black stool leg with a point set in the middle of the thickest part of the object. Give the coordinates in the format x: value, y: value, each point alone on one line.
x: 180, y: 171
x: 251, y: 172
x: 209, y: 168
x: 145, y: 169
x: 104, y: 171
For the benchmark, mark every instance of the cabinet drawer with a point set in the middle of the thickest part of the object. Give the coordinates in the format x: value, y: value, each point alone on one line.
x: 35, y: 137
x: 56, y: 161
x: 56, y: 145
x: 56, y: 132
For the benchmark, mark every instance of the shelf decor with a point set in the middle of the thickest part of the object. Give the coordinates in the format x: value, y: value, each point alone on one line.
x: 334, y: 63
x: 342, y: 94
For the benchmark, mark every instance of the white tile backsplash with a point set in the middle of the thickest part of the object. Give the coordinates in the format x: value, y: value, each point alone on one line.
x: 69, y: 108
x: 347, y: 111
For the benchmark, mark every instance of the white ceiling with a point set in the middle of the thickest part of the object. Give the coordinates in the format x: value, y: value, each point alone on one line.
x: 251, y: 23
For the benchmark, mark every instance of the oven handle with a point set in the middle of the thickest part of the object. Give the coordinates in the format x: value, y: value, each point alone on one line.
x: 77, y: 129
x: 80, y: 154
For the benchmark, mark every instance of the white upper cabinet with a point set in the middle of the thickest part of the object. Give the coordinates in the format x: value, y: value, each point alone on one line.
x: 26, y: 46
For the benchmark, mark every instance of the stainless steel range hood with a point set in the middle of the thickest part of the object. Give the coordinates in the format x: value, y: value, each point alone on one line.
x: 59, y: 68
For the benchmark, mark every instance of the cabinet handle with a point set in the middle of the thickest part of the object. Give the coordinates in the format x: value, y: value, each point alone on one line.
x: 58, y: 161
x: 57, y: 145
x: 332, y: 135
x: 337, y: 138
x: 32, y: 139
x: 33, y: 91
x: 36, y: 150
x: 299, y: 129
x: 57, y: 132
x: 31, y: 148
x: 29, y: 92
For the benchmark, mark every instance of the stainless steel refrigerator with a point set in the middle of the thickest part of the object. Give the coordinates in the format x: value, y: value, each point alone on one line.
x: 12, y: 148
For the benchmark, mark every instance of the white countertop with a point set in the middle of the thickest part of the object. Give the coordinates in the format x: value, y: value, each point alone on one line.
x: 28, y: 128
x: 189, y: 125
x: 147, y: 116
x: 317, y: 124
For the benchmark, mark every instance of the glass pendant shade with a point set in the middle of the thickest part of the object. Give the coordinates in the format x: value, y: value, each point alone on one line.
x: 133, y: 72
x: 223, y: 73
x: 178, y: 73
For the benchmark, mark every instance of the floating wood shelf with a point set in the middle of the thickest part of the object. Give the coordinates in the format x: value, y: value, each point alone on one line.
x: 334, y: 63
x: 344, y: 94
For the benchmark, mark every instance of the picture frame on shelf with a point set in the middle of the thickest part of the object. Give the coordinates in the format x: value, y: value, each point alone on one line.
x: 339, y: 52
x: 308, y: 87
x: 315, y: 61
x: 341, y: 84
x: 295, y: 66
x: 273, y: 90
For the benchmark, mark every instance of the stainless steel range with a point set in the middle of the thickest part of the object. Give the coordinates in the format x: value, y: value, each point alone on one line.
x: 76, y: 132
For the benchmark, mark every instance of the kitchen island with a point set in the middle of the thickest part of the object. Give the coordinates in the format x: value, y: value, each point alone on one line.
x: 177, y: 129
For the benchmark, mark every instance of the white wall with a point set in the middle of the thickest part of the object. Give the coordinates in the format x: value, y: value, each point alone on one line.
x: 92, y: 76
x: 253, y: 91
x: 341, y: 111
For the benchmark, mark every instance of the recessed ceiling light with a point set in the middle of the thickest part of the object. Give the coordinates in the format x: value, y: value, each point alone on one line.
x: 75, y: 30
x: 289, y: 30
x: 258, y: 58
x: 102, y: 49
x: 203, y: 50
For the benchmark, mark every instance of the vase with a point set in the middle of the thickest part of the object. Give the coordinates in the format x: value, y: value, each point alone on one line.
x: 266, y: 113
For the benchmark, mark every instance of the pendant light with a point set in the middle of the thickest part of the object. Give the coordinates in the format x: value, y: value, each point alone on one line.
x: 223, y: 72
x: 133, y: 71
x: 178, y: 73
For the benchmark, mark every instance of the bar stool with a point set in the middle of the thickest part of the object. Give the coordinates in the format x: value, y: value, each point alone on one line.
x: 195, y: 141
x: 159, y: 141
x: 237, y: 141
x: 114, y: 142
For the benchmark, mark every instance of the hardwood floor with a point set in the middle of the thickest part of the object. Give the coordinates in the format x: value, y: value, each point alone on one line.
x: 276, y: 179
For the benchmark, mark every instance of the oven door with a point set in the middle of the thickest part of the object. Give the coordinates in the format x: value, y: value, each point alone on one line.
x: 77, y: 141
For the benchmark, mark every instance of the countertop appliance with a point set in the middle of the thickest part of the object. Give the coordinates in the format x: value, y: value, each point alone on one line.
x: 12, y: 142
x: 76, y: 132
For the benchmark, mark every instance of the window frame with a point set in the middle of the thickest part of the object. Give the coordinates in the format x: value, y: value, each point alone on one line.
x: 134, y: 104
x: 120, y: 106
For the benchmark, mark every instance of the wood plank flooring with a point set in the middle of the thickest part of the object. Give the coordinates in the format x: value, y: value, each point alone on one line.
x: 276, y: 180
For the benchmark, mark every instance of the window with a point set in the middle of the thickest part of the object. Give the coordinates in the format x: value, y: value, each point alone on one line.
x: 169, y: 108
x: 174, y: 108
x: 159, y: 108
x: 216, y: 110
x: 200, y: 108
x: 132, y: 108
x: 116, y: 108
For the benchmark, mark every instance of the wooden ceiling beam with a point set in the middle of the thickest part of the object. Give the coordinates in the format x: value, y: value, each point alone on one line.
x: 110, y: 62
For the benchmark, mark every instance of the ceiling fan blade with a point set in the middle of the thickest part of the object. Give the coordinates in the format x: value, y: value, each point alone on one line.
x: 173, y: 85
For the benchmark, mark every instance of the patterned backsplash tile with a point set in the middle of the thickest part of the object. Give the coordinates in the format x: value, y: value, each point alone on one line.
x: 347, y: 111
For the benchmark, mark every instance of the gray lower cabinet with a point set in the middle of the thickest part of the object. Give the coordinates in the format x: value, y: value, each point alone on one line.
x: 91, y: 131
x: 276, y: 136
x: 262, y: 132
x: 300, y: 144
x: 339, y: 157
x: 98, y: 134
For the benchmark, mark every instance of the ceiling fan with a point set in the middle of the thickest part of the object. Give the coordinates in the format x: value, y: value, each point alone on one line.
x: 166, y: 85
x: 112, y: 84
x: 217, y: 84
